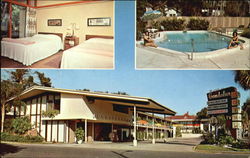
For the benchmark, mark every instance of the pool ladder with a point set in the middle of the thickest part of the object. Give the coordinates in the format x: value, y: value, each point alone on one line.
x: 191, y: 56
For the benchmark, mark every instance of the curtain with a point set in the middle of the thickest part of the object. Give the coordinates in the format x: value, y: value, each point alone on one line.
x: 30, y: 22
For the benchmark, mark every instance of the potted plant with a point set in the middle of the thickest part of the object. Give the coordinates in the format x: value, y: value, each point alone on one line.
x: 79, y: 135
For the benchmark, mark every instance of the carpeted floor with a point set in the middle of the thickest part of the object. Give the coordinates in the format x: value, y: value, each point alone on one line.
x: 49, y: 62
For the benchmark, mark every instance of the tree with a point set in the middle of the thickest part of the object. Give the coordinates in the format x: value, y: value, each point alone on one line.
x: 21, y: 125
x: 8, y: 90
x: 18, y: 80
x: 241, y: 8
x: 202, y: 114
x: 22, y: 77
x: 44, y: 81
x: 19, y: 75
x: 242, y: 77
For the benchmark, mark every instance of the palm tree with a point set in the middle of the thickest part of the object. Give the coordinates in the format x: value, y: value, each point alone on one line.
x: 22, y: 77
x: 44, y: 81
x: 242, y: 77
x: 19, y: 75
x: 246, y: 116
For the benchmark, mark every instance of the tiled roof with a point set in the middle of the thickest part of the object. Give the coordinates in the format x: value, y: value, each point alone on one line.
x: 185, y: 116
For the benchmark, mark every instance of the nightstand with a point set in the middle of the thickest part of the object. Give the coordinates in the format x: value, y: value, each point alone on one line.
x: 70, y: 41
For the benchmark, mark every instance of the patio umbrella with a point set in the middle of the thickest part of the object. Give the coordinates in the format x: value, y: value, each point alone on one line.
x: 151, y: 15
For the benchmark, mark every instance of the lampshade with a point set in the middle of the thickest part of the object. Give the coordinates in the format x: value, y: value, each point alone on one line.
x: 69, y: 27
x: 77, y: 27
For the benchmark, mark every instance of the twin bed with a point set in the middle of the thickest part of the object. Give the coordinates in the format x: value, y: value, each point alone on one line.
x: 96, y: 52
x: 32, y: 49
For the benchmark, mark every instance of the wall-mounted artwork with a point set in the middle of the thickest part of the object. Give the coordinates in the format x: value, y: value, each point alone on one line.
x: 54, y: 22
x: 99, y: 21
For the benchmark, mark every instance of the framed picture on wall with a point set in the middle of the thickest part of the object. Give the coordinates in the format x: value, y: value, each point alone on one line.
x: 54, y: 22
x: 99, y: 21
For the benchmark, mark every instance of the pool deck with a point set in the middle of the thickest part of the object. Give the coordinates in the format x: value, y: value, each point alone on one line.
x: 149, y: 58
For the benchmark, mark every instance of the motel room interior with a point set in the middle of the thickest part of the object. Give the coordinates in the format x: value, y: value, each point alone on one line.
x: 57, y: 34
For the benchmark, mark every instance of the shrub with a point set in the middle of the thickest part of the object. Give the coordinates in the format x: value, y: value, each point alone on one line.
x: 21, y: 125
x: 173, y: 24
x: 79, y: 134
x: 208, y: 139
x: 19, y: 138
x: 178, y: 132
x: 50, y: 113
x: 196, y: 131
x: 141, y: 28
x: 225, y: 140
x: 241, y: 145
x: 156, y: 25
x: 140, y: 135
x: 246, y: 33
x: 198, y: 24
x: 8, y: 125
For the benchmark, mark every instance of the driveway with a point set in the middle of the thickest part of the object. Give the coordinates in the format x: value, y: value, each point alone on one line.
x: 179, y: 148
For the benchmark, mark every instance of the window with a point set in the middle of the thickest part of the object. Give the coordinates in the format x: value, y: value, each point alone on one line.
x: 57, y: 103
x: 5, y: 19
x: 18, y: 21
x: 13, y: 17
x: 53, y: 102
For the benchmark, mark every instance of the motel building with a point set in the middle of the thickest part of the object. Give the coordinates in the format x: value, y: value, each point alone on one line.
x: 187, y: 123
x: 103, y: 116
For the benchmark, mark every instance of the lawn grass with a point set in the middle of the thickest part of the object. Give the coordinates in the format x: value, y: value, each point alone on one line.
x: 215, y: 148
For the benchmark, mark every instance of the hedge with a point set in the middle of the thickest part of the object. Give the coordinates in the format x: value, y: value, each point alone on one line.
x: 20, y: 138
x: 246, y: 33
x: 173, y: 24
x: 198, y: 24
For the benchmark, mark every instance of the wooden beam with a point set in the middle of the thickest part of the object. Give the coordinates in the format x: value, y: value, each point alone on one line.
x: 18, y: 3
x: 63, y: 4
x: 57, y: 134
x: 46, y: 130
x: 40, y: 118
x: 51, y: 130
x: 10, y: 21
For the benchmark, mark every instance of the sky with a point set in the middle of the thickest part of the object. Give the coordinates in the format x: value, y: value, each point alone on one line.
x: 180, y: 90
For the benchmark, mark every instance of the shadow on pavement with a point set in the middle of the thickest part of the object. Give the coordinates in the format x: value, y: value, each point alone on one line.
x: 122, y: 154
x: 7, y: 149
x: 180, y: 143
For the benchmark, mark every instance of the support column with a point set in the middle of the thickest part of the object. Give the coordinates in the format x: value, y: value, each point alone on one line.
x: 147, y: 128
x: 165, y: 128
x: 135, y: 140
x: 174, y: 132
x: 86, y: 131
x: 153, y: 140
x: 93, y: 131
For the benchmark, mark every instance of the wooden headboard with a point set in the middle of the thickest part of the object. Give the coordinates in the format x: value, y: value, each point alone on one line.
x: 58, y: 34
x: 98, y: 36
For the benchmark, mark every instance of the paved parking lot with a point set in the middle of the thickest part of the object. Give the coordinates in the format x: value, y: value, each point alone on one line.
x: 174, y: 148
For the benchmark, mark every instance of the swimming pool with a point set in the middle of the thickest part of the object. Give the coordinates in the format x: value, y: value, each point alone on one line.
x: 203, y: 41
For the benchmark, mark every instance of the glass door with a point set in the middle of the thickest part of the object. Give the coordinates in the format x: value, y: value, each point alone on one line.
x: 18, y: 21
x: 4, y: 19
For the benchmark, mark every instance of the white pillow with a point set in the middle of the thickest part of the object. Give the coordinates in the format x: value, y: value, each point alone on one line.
x: 48, y: 36
x: 100, y: 40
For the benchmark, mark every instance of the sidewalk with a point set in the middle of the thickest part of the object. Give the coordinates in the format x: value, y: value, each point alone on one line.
x: 153, y: 58
x: 175, y: 145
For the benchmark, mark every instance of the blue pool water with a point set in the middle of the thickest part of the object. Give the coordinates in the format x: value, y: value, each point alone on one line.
x: 202, y: 41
